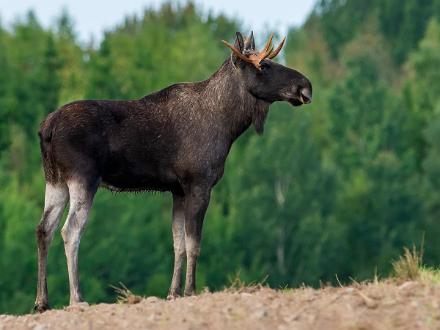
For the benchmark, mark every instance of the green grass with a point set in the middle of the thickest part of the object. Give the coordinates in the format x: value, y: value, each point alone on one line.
x: 429, y: 275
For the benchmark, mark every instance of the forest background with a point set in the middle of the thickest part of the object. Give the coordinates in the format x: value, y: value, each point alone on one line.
x: 335, y: 188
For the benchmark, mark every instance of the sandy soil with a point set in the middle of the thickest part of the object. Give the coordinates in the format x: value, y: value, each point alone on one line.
x: 408, y: 305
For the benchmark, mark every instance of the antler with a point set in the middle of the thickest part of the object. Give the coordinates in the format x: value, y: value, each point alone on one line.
x: 268, y: 43
x: 275, y: 53
x: 255, y: 59
x: 236, y: 51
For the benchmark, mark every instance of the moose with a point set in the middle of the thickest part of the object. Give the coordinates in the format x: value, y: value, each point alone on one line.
x: 174, y: 140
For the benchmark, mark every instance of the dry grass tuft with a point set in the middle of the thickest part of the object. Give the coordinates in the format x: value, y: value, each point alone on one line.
x: 236, y: 284
x: 408, y: 266
x: 125, y: 296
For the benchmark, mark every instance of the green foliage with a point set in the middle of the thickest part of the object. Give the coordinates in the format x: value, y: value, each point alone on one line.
x: 340, y: 20
x: 412, y: 17
x: 337, y: 187
x: 402, y: 23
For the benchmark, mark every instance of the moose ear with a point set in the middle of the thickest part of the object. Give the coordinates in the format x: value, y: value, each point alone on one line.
x: 249, y: 43
x: 239, y: 42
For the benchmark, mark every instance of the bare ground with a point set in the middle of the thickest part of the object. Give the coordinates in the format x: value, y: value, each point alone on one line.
x: 382, y: 305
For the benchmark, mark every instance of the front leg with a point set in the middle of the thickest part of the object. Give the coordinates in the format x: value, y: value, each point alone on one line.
x: 179, y: 245
x: 196, y: 202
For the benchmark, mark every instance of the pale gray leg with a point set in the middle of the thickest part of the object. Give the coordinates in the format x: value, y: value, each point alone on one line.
x: 55, y: 201
x: 196, y: 203
x: 179, y: 245
x: 81, y: 198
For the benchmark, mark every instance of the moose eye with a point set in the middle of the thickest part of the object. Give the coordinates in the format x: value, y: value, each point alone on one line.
x: 264, y: 66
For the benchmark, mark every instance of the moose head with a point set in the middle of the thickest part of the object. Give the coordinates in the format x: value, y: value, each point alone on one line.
x: 266, y: 79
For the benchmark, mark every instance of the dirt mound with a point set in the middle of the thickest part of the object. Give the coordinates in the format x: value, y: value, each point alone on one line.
x: 409, y: 305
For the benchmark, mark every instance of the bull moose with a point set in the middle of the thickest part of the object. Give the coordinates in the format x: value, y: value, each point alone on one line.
x: 175, y: 140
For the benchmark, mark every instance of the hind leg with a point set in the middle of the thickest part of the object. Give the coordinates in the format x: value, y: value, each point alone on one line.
x: 55, y: 201
x: 179, y: 245
x: 81, y: 198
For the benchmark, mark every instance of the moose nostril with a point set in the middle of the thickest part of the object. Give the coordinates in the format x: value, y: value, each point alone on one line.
x: 306, y: 95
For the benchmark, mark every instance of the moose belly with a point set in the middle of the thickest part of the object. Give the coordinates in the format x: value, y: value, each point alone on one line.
x: 126, y: 176
x: 142, y: 184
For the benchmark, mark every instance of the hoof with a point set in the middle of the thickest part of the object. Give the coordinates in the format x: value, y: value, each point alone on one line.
x: 189, y: 293
x: 77, y: 307
x: 41, y: 307
x: 173, y: 296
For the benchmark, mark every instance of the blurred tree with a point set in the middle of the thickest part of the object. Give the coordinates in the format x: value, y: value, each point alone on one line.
x: 422, y: 88
x: 341, y: 19
x: 422, y: 94
x: 4, y: 78
x: 102, y: 81
x: 404, y: 23
x: 49, y: 84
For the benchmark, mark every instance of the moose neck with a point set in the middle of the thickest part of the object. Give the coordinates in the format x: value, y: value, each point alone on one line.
x: 236, y: 108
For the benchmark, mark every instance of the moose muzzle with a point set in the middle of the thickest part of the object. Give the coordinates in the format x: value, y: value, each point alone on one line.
x: 305, y: 95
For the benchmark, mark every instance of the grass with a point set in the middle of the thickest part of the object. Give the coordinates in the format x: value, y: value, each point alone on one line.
x: 410, y: 266
x: 237, y: 284
x: 429, y: 275
x: 125, y: 296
